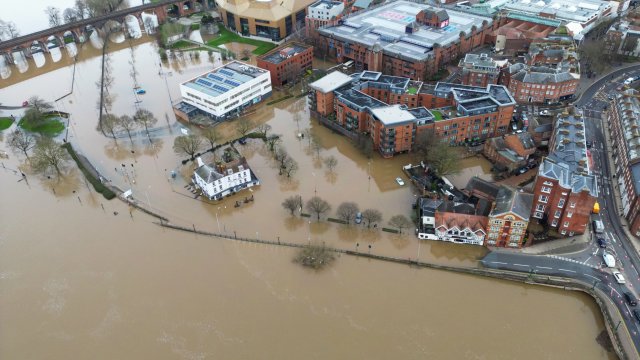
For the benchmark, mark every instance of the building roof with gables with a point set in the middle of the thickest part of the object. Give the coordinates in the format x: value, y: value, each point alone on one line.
x: 512, y: 201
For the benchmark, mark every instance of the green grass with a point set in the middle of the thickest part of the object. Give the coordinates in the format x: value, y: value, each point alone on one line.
x: 195, y: 27
x: 437, y: 115
x: 5, y: 123
x: 99, y: 186
x: 181, y: 44
x: 225, y: 36
x: 412, y: 90
x: 51, y: 127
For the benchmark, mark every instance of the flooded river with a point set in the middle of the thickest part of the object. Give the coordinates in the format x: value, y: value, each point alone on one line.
x: 81, y: 281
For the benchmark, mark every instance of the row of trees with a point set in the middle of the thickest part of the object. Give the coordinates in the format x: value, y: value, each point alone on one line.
x: 141, y: 119
x: 46, y: 153
x: 8, y: 30
x: 192, y: 144
x: 83, y: 9
x: 347, y: 212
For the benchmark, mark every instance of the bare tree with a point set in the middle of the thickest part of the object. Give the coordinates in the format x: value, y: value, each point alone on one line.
x: 39, y: 104
x: 110, y: 124
x: 347, y: 211
x: 81, y: 8
x: 246, y: 54
x: 187, y: 145
x: 211, y: 135
x: 70, y: 15
x: 316, y: 144
x: 49, y: 154
x: 443, y: 160
x: 264, y: 129
x: 243, y: 126
x: 371, y: 216
x: 317, y: 206
x: 128, y: 124
x: 53, y: 14
x: 292, y: 203
x: 290, y: 166
x: 102, y: 7
x: 400, y: 222
x: 21, y: 141
x: 281, y: 157
x: 145, y: 119
x: 8, y: 30
x: 331, y: 162
x: 272, y: 141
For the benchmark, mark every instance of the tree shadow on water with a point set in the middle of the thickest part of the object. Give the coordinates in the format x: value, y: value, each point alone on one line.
x: 293, y: 222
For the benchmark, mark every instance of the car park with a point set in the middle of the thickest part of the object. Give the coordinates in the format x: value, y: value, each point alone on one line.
x: 619, y: 277
x: 630, y: 298
x: 400, y: 181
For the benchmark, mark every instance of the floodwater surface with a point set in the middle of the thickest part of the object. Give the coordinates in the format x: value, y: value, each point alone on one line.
x: 82, y: 277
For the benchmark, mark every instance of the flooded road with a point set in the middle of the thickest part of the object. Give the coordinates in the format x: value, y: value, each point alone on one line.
x: 84, y: 282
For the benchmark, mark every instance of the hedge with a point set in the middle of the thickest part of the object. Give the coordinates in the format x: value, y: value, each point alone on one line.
x: 337, y: 221
x: 97, y: 184
x: 390, y: 230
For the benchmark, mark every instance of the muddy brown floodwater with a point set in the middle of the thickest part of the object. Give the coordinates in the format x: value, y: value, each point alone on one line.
x: 80, y: 281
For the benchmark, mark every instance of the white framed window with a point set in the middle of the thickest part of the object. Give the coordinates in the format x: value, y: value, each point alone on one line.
x: 557, y: 214
x: 543, y: 198
x: 572, y: 204
x: 539, y: 207
x: 561, y: 202
x: 569, y: 214
x: 554, y: 222
x: 566, y: 224
x: 538, y: 215
x: 546, y: 190
x: 563, y: 232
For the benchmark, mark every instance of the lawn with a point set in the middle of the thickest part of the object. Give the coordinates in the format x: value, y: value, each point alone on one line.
x: 5, y: 123
x: 51, y: 127
x: 437, y: 114
x: 181, y: 44
x: 225, y: 36
x: 412, y: 90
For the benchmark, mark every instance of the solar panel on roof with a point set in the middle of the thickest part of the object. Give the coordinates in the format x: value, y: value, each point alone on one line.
x: 215, y: 77
x: 220, y: 88
x: 230, y: 82
x: 225, y: 72
x: 204, y: 82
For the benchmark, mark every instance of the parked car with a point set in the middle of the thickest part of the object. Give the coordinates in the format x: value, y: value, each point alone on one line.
x: 636, y: 313
x: 358, y: 218
x: 242, y: 141
x: 619, y: 278
x: 545, y: 113
x: 630, y: 298
x: 609, y: 260
x: 400, y: 181
x: 629, y: 81
x: 602, y: 243
x: 522, y: 170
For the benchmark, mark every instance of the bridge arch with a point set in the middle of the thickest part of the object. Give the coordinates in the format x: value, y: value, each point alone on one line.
x: 70, y: 36
x: 134, y: 25
x: 55, y: 41
x: 187, y: 6
x: 38, y: 46
x: 173, y: 10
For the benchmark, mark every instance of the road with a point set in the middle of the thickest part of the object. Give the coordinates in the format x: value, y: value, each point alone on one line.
x: 587, y: 265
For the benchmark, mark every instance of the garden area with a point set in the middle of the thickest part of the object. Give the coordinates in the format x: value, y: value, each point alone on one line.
x: 5, y: 123
x: 226, y: 36
x: 49, y: 124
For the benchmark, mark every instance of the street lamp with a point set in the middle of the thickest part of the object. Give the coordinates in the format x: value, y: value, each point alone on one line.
x: 218, y: 221
x: 315, y: 186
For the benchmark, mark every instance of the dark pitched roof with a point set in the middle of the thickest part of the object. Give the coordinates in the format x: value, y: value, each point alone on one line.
x: 483, y: 186
x: 514, y: 201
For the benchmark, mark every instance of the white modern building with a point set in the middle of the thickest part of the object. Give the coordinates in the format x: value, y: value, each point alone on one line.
x: 216, y: 182
x: 325, y: 9
x: 224, y: 92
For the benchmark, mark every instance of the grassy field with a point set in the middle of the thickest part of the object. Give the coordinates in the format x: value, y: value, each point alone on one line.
x: 181, y: 44
x: 437, y: 114
x: 5, y: 123
x: 225, y: 36
x: 50, y: 127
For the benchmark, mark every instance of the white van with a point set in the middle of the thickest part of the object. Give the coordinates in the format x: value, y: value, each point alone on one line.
x: 598, y: 226
x: 629, y: 81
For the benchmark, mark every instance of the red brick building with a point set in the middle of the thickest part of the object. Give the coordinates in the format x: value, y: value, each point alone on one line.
x: 509, y: 218
x: 480, y: 70
x: 511, y: 151
x: 432, y: 38
x: 394, y: 111
x: 624, y: 118
x: 287, y: 62
x: 541, y: 84
x: 565, y: 190
x: 514, y: 36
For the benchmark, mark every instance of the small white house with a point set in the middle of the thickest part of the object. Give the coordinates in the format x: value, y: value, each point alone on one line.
x: 216, y: 182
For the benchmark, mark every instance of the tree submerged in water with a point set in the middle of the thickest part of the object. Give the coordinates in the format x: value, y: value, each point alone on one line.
x: 315, y: 256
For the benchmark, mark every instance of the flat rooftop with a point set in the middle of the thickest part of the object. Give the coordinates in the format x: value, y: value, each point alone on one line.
x: 224, y: 78
x: 393, y: 115
x: 281, y: 53
x: 331, y: 82
x: 580, y: 11
x: 325, y: 4
x: 386, y: 25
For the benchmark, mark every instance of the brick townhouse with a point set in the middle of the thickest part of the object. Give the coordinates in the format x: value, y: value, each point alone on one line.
x: 510, y: 151
x: 565, y: 189
x: 624, y: 118
x: 404, y: 38
x: 509, y: 218
x: 541, y: 84
x: 480, y: 70
x: 395, y: 110
x: 287, y: 62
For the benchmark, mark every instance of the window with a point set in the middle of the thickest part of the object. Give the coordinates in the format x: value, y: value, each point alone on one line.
x: 566, y: 224
x: 539, y: 207
x: 557, y: 214
x: 561, y: 202
x: 543, y: 199
x: 538, y: 215
x: 572, y: 204
x: 563, y: 232
x: 555, y: 222
x: 546, y: 190
x: 569, y: 214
